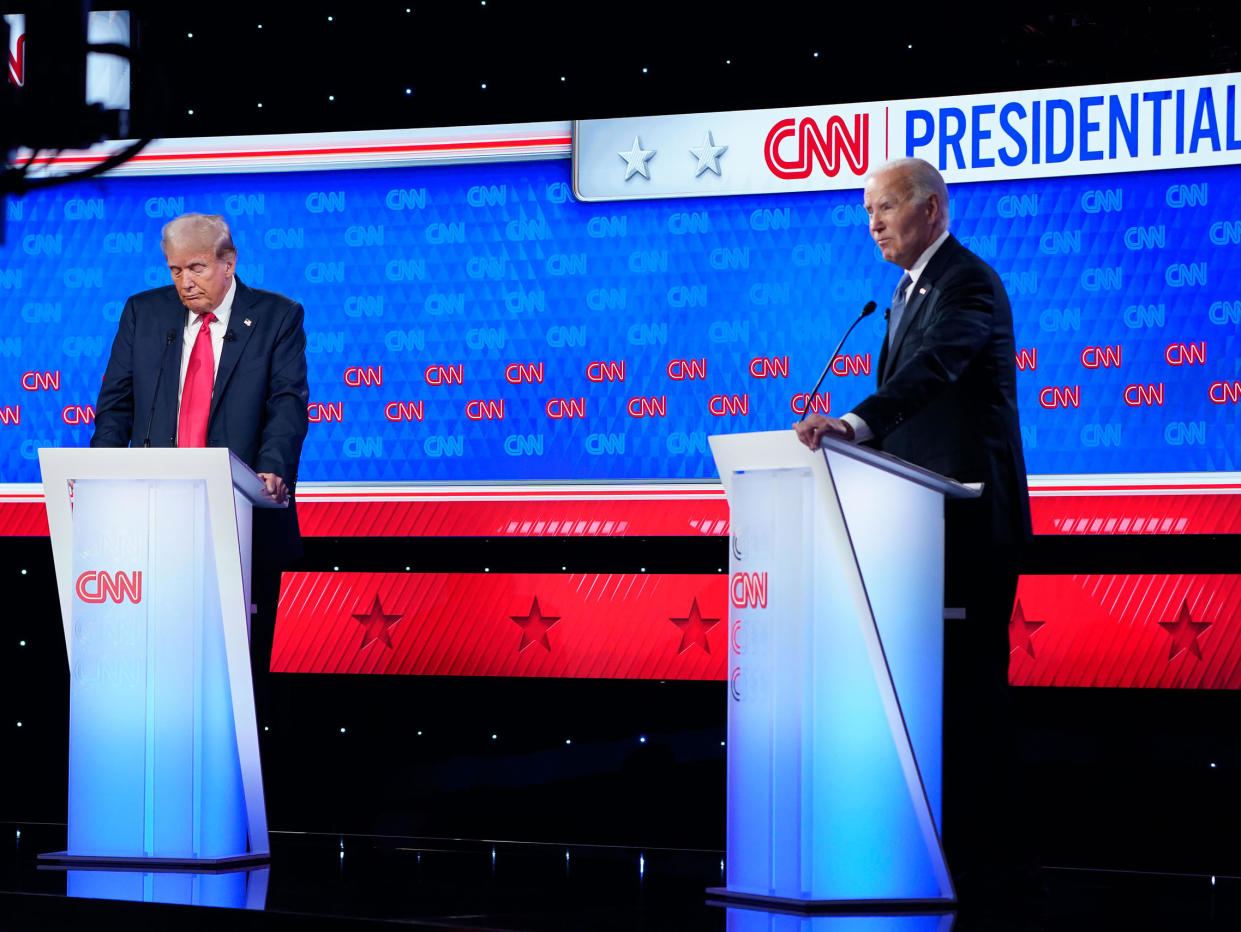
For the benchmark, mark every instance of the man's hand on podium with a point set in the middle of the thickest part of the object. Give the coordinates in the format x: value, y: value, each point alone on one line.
x: 277, y: 491
x: 815, y: 427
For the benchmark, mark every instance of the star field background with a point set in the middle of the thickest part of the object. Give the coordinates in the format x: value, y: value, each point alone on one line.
x: 379, y: 64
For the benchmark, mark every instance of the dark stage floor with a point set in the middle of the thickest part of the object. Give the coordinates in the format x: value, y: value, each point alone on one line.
x: 322, y: 881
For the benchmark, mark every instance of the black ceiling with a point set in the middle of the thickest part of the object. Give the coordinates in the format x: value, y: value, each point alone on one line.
x: 389, y: 68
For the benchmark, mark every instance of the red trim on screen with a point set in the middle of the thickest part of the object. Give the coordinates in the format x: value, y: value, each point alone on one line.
x: 394, y: 149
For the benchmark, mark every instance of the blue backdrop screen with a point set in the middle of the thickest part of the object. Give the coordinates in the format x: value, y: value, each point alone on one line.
x: 477, y: 323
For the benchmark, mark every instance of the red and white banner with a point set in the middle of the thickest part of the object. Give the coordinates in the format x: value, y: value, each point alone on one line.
x: 1172, y: 630
x: 601, y: 625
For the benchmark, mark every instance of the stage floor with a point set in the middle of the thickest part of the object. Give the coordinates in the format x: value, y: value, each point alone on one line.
x: 330, y: 881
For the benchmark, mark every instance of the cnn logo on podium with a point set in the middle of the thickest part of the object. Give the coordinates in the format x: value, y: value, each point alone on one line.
x: 97, y: 586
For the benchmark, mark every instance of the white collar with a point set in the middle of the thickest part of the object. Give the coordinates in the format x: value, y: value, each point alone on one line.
x: 222, y: 313
x: 918, y: 267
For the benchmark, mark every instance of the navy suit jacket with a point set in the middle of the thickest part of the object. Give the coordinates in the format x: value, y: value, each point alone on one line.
x: 258, y: 403
x: 947, y: 387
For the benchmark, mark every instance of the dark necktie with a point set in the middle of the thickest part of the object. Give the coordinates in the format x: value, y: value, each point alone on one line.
x: 898, y: 306
x: 196, y: 393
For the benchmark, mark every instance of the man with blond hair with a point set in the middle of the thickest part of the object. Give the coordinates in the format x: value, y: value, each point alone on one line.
x: 209, y: 361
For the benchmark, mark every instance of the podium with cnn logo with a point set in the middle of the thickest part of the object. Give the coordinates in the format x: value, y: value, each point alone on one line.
x: 835, y: 675
x: 152, y: 554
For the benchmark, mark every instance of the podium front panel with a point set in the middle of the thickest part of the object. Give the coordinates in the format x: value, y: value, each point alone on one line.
x: 770, y: 511
x: 153, y: 766
x: 835, y: 676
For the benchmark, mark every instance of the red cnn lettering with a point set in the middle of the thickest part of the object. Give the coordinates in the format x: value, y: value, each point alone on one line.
x: 403, y: 411
x: 41, y: 381
x: 1070, y: 396
x: 722, y: 405
x: 485, y: 409
x: 1101, y: 357
x: 96, y: 586
x: 748, y: 590
x: 680, y: 370
x: 769, y: 367
x: 10, y: 414
x: 851, y: 365
x: 1137, y: 396
x: 831, y: 148
x: 1027, y: 358
x: 610, y: 371
x: 317, y: 412
x: 359, y: 376
x: 75, y: 415
x: 1224, y: 393
x: 560, y: 408
x: 648, y: 407
x: 1186, y: 354
x: 516, y: 373
x: 821, y: 403
x: 444, y: 375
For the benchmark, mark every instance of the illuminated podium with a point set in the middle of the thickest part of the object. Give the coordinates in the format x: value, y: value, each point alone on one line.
x: 835, y: 674
x: 152, y: 553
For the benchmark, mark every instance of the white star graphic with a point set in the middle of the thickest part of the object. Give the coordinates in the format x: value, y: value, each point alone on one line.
x: 636, y: 159
x: 708, y: 155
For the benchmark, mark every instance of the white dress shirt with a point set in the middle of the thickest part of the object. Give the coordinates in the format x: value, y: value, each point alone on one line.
x: 861, y: 431
x: 217, y: 327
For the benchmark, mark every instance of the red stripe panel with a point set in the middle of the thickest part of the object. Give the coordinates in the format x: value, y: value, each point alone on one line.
x: 1204, y: 513
x: 1207, y: 513
x: 1169, y: 630
x: 508, y: 518
x: 23, y: 519
x: 609, y: 625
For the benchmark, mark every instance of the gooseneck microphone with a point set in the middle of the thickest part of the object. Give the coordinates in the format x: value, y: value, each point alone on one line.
x: 163, y: 357
x: 866, y: 311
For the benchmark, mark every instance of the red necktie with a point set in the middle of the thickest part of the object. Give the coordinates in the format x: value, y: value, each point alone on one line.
x: 196, y: 393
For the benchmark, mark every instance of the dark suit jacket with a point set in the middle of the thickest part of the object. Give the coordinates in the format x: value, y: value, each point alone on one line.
x: 258, y: 403
x: 947, y: 395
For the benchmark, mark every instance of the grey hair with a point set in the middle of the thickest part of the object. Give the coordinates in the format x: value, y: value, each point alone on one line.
x: 924, y: 180
x: 205, y: 229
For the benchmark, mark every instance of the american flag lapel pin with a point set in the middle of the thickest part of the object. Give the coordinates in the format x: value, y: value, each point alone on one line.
x: 920, y: 291
x: 247, y: 321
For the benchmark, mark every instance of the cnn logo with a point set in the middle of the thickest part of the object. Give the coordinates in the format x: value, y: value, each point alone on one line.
x: 97, y: 586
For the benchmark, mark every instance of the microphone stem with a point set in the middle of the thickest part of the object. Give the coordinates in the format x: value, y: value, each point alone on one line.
x: 831, y: 359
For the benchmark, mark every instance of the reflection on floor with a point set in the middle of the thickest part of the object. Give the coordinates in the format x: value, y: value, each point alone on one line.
x: 334, y: 881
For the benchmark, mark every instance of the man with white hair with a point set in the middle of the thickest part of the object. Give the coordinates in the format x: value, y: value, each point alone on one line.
x: 208, y: 361
x: 947, y: 399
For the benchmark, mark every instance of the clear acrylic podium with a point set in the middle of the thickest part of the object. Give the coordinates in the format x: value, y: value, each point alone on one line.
x: 152, y: 554
x: 835, y: 675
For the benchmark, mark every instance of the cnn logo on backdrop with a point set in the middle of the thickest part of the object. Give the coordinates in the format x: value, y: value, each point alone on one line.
x: 793, y: 147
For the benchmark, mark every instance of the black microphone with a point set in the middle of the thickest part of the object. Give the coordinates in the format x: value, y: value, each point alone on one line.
x: 168, y: 338
x: 869, y: 309
x: 229, y: 336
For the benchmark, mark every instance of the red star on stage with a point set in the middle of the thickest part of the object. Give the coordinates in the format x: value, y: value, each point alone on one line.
x: 1184, y: 632
x: 376, y: 624
x: 694, y: 628
x: 1020, y: 630
x: 534, y: 626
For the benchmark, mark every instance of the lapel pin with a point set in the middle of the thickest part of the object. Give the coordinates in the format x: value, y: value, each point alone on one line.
x: 920, y: 291
x: 247, y: 321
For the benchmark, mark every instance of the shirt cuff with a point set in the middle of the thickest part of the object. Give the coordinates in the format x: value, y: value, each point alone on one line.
x: 861, y: 432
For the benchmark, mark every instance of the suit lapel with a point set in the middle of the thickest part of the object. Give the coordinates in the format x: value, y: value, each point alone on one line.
x: 241, y: 326
x: 168, y: 399
x: 923, y: 290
